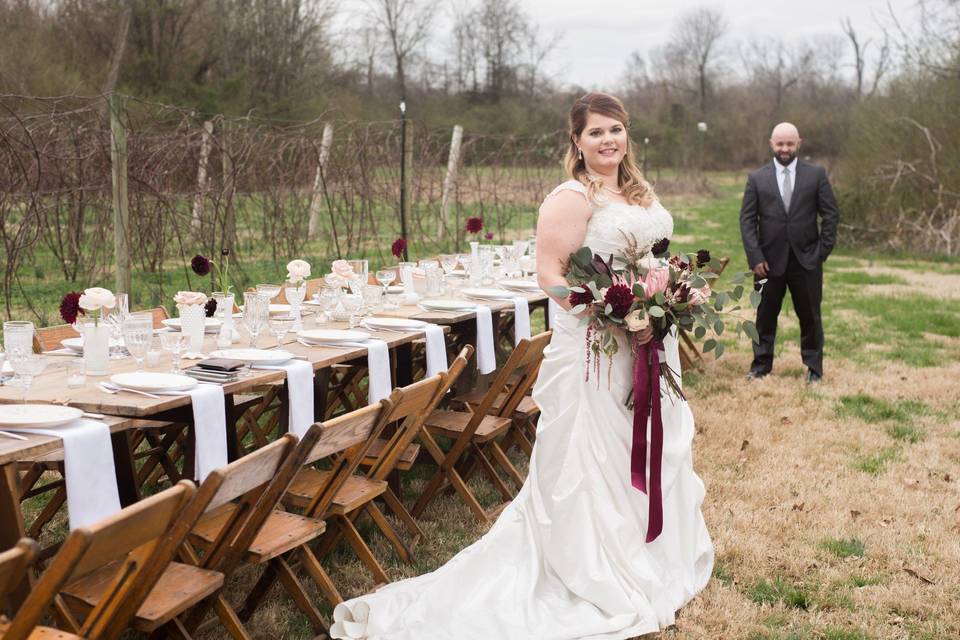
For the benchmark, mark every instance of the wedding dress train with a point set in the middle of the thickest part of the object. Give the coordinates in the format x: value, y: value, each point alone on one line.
x: 567, y: 559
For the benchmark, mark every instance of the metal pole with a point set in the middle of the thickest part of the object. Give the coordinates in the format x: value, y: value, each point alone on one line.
x: 403, y: 175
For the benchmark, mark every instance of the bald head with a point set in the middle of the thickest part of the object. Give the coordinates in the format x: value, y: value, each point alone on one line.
x: 785, y: 142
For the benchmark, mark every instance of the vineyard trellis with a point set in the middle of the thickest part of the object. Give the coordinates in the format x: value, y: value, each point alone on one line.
x: 197, y: 183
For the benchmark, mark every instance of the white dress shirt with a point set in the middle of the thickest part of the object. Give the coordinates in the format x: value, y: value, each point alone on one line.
x: 793, y: 174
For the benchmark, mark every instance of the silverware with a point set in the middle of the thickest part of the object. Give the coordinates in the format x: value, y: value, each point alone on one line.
x: 11, y: 435
x: 108, y: 388
x: 325, y: 346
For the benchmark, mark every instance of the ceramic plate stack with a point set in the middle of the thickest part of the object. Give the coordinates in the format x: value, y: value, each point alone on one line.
x: 254, y: 356
x: 36, y: 416
x: 520, y: 285
x: 76, y: 344
x: 394, y: 324
x: 478, y: 293
x: 212, y: 324
x: 152, y: 382
x: 321, y: 337
x: 446, y: 304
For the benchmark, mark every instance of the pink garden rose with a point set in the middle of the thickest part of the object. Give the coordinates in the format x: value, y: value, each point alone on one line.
x: 184, y: 298
x: 343, y: 269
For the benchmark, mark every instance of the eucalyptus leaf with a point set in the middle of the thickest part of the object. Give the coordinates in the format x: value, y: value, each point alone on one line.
x: 559, y: 291
x: 719, y: 350
x: 718, y: 327
x: 656, y: 312
x: 755, y: 299
x: 708, y: 345
x: 751, y: 330
x: 578, y: 309
x: 699, y: 332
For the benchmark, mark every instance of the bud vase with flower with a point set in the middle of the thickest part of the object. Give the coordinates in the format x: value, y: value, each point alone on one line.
x: 193, y: 317
x: 295, y: 289
x: 96, y: 334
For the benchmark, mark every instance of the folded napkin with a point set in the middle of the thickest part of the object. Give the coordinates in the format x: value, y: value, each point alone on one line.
x: 436, y: 349
x: 300, y: 391
x: 521, y: 319
x: 378, y: 368
x: 209, y: 426
x: 88, y: 468
x: 486, y: 356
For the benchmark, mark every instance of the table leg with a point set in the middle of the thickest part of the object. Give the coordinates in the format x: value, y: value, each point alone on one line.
x: 404, y: 354
x: 126, y: 469
x: 11, y: 523
x: 321, y: 383
x: 233, y: 438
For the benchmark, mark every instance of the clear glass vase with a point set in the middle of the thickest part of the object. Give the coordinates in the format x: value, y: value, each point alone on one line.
x: 96, y: 348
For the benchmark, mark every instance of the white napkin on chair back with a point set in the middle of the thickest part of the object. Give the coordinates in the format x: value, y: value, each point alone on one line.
x: 521, y: 319
x: 300, y: 394
x: 486, y: 356
x: 436, y: 350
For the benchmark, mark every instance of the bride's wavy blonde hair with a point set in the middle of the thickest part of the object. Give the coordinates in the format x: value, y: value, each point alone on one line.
x: 636, y: 190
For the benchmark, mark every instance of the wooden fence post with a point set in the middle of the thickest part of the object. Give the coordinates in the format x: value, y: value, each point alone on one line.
x: 406, y: 173
x: 121, y: 213
x: 450, y: 180
x: 325, y: 142
x: 197, y: 218
x: 229, y: 186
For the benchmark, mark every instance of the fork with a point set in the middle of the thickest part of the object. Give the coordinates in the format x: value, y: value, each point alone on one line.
x: 114, y: 390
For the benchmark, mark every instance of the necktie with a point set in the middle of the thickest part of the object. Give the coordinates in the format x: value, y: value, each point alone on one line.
x: 787, y: 189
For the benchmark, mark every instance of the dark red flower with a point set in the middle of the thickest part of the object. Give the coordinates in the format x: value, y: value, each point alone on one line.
x: 703, y: 257
x: 399, y: 246
x: 660, y: 247
x: 620, y: 298
x: 211, y: 307
x: 488, y: 236
x: 680, y: 262
x: 200, y: 265
x: 474, y: 225
x: 70, y: 307
x: 580, y: 298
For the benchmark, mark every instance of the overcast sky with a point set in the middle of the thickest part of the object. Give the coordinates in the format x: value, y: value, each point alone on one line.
x: 598, y: 36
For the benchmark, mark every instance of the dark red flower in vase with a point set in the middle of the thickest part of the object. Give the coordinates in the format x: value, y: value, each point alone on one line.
x: 399, y: 246
x: 474, y: 225
x: 201, y: 265
x: 488, y: 236
x: 580, y: 298
x: 619, y: 297
x: 70, y: 307
x: 211, y: 307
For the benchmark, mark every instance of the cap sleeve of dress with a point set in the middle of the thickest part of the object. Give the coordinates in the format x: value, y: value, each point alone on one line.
x: 569, y: 185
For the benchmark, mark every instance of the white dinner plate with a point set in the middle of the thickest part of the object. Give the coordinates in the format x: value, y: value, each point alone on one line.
x: 395, y: 323
x: 37, y: 416
x: 487, y: 294
x: 76, y: 344
x: 275, y: 309
x: 333, y: 336
x: 254, y: 356
x: 522, y: 285
x: 446, y: 304
x: 152, y: 381
x: 212, y: 325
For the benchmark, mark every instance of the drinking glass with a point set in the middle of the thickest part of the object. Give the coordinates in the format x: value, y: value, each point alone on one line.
x: 448, y: 262
x: 351, y: 304
x: 27, y: 365
x: 279, y: 325
x: 174, y: 342
x: 434, y: 279
x: 256, y: 308
x: 17, y: 335
x: 76, y: 373
x: 137, y: 335
x: 115, y: 318
x: 372, y: 298
x: 361, y: 268
x: 295, y: 292
x: 3, y: 356
x: 528, y: 265
x: 326, y: 299
x: 269, y: 290
x: 385, y: 277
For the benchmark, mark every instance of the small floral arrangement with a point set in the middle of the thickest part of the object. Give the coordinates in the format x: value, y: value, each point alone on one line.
x: 399, y: 246
x: 342, y: 269
x: 474, y: 225
x: 219, y: 274
x: 93, y: 300
x: 298, y: 271
x: 187, y: 298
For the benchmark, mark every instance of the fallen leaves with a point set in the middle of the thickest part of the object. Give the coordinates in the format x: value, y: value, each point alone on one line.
x: 915, y: 574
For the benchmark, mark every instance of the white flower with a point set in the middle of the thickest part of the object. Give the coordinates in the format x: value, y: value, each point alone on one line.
x: 96, y: 298
x: 636, y: 321
x: 298, y: 270
x: 343, y: 269
x: 184, y: 298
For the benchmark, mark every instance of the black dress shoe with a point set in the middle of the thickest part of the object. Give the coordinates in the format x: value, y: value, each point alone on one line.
x: 753, y: 374
x: 813, y: 377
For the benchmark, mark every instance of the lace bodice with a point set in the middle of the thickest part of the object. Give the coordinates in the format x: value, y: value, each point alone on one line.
x: 610, y: 221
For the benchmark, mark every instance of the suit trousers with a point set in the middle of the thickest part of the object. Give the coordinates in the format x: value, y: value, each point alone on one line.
x: 806, y: 291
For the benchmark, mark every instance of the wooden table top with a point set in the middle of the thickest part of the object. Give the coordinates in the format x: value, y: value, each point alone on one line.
x: 13, y: 450
x: 414, y: 311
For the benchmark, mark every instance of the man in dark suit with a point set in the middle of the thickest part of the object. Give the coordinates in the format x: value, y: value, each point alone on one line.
x: 778, y: 223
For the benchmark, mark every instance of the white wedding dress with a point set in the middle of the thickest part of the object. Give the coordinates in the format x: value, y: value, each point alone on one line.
x: 567, y: 559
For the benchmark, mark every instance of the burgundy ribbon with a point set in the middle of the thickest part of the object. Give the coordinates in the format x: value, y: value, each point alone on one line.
x: 646, y: 404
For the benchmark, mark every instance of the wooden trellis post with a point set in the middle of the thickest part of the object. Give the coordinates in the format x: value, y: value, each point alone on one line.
x: 121, y: 213
x: 325, y: 143
x: 450, y: 180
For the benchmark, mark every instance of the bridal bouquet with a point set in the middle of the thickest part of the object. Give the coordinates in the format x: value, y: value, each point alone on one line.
x: 657, y: 291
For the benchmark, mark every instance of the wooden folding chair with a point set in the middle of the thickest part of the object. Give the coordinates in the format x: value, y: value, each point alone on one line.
x: 316, y: 492
x: 15, y: 567
x: 475, y: 432
x: 125, y: 555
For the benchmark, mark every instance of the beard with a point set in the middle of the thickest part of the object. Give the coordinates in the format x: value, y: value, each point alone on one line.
x: 785, y: 158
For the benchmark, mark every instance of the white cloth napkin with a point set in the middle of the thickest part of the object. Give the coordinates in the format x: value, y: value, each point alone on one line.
x: 209, y: 426
x: 486, y: 356
x: 521, y: 319
x: 91, y: 477
x: 436, y: 350
x: 378, y: 368
x: 300, y: 391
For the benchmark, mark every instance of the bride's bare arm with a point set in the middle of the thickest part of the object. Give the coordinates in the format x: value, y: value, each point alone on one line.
x: 561, y: 229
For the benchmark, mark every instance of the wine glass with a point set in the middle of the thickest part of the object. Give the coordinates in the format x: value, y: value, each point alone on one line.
x: 137, y: 334
x: 174, y: 342
x: 385, y: 277
x: 256, y: 307
x: 279, y: 325
x: 26, y: 365
x: 351, y: 304
x: 372, y: 298
x: 269, y: 290
x: 528, y: 265
x: 448, y: 262
x: 326, y: 299
x: 295, y: 292
x: 115, y: 319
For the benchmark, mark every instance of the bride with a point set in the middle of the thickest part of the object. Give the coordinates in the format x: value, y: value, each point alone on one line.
x: 567, y: 559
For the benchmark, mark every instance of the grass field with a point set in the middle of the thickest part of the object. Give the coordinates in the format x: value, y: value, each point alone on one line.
x: 834, y: 509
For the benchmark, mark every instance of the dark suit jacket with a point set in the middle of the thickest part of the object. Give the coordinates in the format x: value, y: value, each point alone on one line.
x: 769, y: 231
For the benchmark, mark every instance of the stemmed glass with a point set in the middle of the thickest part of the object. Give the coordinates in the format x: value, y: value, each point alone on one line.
x: 26, y: 365
x: 325, y: 299
x: 295, y: 293
x: 269, y: 290
x: 116, y: 319
x: 279, y: 325
x: 137, y: 334
x: 256, y: 307
x: 385, y: 277
x: 372, y: 298
x: 174, y: 342
x: 351, y: 304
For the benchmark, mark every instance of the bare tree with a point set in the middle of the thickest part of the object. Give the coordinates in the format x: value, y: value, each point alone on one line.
x: 405, y: 25
x: 697, y: 37
x: 773, y: 65
x: 860, y: 59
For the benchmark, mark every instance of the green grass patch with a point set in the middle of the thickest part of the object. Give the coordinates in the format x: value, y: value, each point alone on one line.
x: 876, y: 463
x: 836, y: 633
x: 770, y: 592
x: 918, y: 353
x: 861, y: 278
x: 876, y: 410
x: 721, y: 572
x: 844, y: 548
x: 858, y: 581
x: 906, y: 433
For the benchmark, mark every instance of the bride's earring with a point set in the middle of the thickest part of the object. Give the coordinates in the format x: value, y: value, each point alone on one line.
x: 579, y: 153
